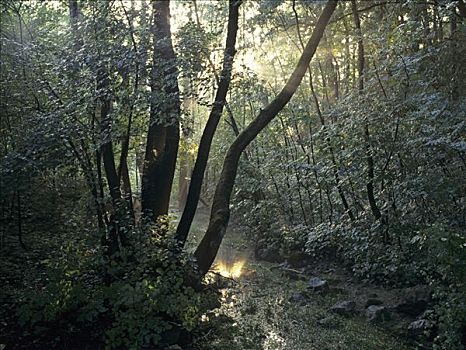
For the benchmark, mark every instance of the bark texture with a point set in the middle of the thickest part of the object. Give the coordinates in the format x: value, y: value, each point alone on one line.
x: 197, y: 176
x: 220, y: 213
x: 164, y: 134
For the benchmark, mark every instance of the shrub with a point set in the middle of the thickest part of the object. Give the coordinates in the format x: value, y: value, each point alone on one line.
x: 145, y: 300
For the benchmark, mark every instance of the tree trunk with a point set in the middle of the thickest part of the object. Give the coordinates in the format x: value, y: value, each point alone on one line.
x: 211, y: 126
x: 183, y: 181
x: 220, y: 213
x: 74, y: 13
x: 114, y: 230
x: 123, y: 171
x: 20, y: 220
x: 462, y: 8
x: 164, y: 134
x: 370, y: 160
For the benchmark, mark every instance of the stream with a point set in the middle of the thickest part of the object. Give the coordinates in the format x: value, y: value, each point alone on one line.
x: 263, y: 307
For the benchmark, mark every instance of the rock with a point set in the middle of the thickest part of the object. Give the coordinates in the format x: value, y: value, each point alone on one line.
x: 373, y: 301
x: 376, y: 313
x: 298, y: 298
x: 344, y: 308
x: 174, y: 347
x: 417, y: 328
x: 414, y: 300
x: 317, y: 285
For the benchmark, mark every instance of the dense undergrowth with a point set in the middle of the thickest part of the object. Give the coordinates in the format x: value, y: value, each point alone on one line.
x: 433, y: 256
x: 364, y: 165
x: 74, y: 297
x: 417, y: 143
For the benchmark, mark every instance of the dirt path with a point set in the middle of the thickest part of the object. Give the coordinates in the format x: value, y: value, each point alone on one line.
x: 263, y: 308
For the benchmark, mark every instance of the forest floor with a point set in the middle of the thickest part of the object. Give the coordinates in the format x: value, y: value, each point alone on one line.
x: 263, y: 305
x: 266, y: 307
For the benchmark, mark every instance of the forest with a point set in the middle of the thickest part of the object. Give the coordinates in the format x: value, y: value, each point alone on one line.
x: 233, y: 174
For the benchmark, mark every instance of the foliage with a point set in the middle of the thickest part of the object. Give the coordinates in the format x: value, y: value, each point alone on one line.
x: 303, y: 183
x: 414, y: 114
x: 144, y: 302
x: 446, y: 248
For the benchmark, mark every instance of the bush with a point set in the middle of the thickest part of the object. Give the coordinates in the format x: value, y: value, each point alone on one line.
x: 145, y: 300
x: 447, y: 252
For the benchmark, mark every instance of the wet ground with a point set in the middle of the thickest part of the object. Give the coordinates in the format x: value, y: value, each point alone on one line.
x: 259, y: 310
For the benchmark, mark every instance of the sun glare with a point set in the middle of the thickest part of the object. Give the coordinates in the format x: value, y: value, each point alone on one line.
x: 230, y: 270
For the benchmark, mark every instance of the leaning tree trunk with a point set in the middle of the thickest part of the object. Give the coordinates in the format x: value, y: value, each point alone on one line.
x: 220, y: 213
x: 206, y: 140
x: 164, y: 133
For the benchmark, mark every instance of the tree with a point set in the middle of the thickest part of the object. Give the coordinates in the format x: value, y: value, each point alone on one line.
x: 163, y: 135
x: 360, y: 154
x: 220, y: 212
x: 211, y: 126
x: 369, y: 157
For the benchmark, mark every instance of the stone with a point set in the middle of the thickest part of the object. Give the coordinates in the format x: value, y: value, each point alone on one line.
x: 344, y: 308
x: 417, y: 328
x: 377, y: 313
x: 317, y: 285
x: 298, y: 298
x: 414, y: 300
x: 174, y: 347
x: 373, y: 301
